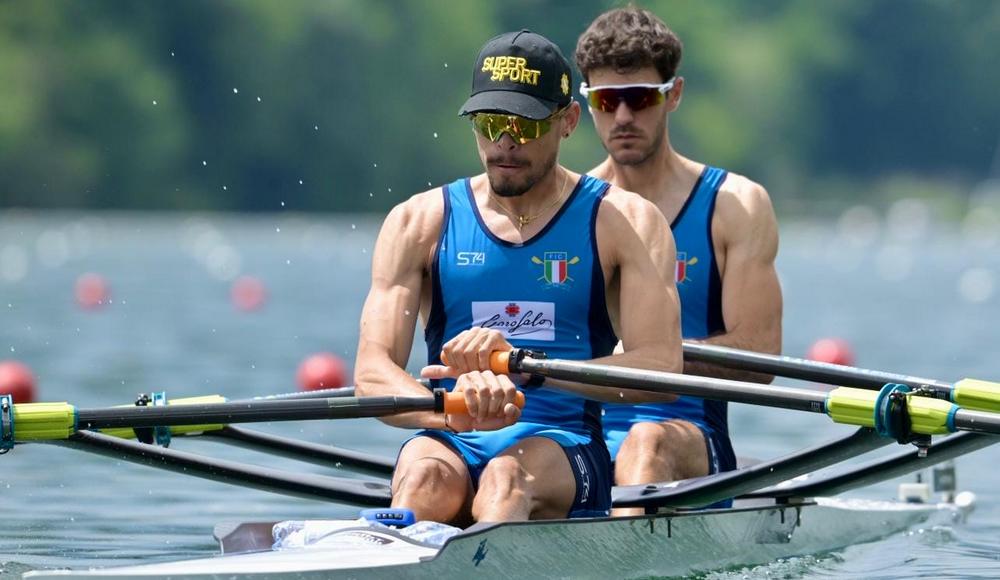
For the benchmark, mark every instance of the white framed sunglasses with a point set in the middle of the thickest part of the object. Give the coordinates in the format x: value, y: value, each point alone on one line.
x: 607, y: 98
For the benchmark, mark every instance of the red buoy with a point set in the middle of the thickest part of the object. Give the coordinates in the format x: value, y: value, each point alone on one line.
x: 832, y: 350
x: 321, y: 371
x: 92, y: 291
x: 17, y: 380
x: 248, y: 293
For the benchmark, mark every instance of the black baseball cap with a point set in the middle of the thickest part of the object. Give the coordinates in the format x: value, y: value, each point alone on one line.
x: 520, y: 73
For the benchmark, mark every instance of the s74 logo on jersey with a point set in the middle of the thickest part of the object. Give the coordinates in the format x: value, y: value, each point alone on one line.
x: 471, y: 259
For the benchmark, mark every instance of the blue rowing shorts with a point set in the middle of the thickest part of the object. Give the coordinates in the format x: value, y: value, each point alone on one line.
x: 615, y: 436
x: 588, y: 459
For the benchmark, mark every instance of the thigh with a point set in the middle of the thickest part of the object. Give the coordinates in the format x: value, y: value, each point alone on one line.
x: 688, y: 449
x: 548, y: 474
x: 432, y: 453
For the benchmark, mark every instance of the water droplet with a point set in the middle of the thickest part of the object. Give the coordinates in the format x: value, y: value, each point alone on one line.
x: 289, y: 262
x: 224, y: 188
x: 390, y: 189
x: 282, y: 204
x: 204, y: 163
x: 370, y: 194
x: 235, y: 90
x: 154, y: 101
x: 445, y: 64
x: 406, y: 312
x: 316, y: 127
x: 354, y: 227
x: 621, y: 395
x: 277, y: 230
x: 171, y: 53
x: 520, y: 451
x: 435, y: 135
x: 374, y: 164
x: 258, y: 99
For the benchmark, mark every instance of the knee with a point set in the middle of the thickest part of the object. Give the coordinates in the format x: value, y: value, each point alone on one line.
x: 426, y: 475
x: 503, y: 477
x: 646, y: 439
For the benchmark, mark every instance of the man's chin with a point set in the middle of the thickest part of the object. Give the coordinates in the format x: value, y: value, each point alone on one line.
x: 506, y: 188
x: 630, y: 156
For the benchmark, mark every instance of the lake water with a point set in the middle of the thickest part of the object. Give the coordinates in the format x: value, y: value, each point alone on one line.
x: 918, y: 300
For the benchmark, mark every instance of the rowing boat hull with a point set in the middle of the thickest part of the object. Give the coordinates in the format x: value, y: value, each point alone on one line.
x: 639, y: 547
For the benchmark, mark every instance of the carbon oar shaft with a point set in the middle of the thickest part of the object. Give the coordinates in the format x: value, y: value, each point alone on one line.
x: 921, y: 415
x: 797, y: 368
x: 972, y: 394
x: 251, y: 411
x: 662, y: 382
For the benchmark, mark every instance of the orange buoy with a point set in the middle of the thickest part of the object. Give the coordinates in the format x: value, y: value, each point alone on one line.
x: 92, y: 291
x: 321, y: 371
x: 832, y: 350
x: 248, y: 293
x: 17, y: 381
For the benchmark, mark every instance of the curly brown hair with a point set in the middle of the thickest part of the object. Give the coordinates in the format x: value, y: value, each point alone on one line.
x: 627, y: 39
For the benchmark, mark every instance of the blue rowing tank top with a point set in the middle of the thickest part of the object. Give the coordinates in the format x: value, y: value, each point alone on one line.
x: 700, y: 288
x: 546, y: 294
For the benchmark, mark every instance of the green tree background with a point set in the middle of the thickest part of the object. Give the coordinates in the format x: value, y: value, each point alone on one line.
x: 350, y: 105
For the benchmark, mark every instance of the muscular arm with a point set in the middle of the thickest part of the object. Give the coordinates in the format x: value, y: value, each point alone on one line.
x: 389, y: 316
x: 634, y: 236
x: 751, y: 296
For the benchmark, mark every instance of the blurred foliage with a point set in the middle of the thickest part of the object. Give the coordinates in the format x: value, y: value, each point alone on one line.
x: 350, y: 105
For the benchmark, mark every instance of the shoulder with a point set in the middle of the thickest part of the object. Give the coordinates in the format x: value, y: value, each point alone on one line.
x: 419, y: 218
x: 622, y: 211
x: 740, y: 198
x: 628, y: 204
x: 744, y: 214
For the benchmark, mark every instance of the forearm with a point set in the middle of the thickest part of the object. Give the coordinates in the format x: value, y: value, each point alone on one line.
x: 769, y: 344
x: 375, y: 378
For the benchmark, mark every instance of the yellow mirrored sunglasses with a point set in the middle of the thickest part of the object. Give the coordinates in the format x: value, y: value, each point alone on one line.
x: 521, y: 129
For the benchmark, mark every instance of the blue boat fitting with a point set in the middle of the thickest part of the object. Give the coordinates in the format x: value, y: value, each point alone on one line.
x: 6, y: 423
x: 392, y: 517
x: 161, y: 434
x: 891, y: 417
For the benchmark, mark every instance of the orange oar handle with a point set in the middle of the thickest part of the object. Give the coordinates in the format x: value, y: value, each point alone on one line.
x: 499, y: 361
x: 454, y: 403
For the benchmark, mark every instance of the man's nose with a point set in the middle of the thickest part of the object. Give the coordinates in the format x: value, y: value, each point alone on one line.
x: 506, y: 141
x: 623, y: 114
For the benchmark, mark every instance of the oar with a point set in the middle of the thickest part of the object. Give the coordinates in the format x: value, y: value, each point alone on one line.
x: 316, y: 453
x: 968, y: 393
x: 296, y: 484
x: 879, y: 470
x: 45, y: 421
x: 893, y: 412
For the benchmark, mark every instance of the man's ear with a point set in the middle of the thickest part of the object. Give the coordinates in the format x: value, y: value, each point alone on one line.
x: 675, y: 95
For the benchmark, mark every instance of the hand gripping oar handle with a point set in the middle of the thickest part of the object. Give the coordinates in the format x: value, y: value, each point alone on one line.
x: 52, y: 421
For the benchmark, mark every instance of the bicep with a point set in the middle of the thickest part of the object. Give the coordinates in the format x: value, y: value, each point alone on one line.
x: 751, y: 293
x: 649, y: 307
x: 391, y: 308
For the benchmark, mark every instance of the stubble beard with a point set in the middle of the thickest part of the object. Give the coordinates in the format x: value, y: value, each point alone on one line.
x: 635, y: 157
x: 512, y: 186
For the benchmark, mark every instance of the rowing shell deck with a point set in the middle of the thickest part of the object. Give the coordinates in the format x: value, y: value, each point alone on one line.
x: 673, y: 544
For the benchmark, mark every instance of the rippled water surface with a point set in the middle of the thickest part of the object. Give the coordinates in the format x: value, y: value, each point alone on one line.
x: 923, y: 305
